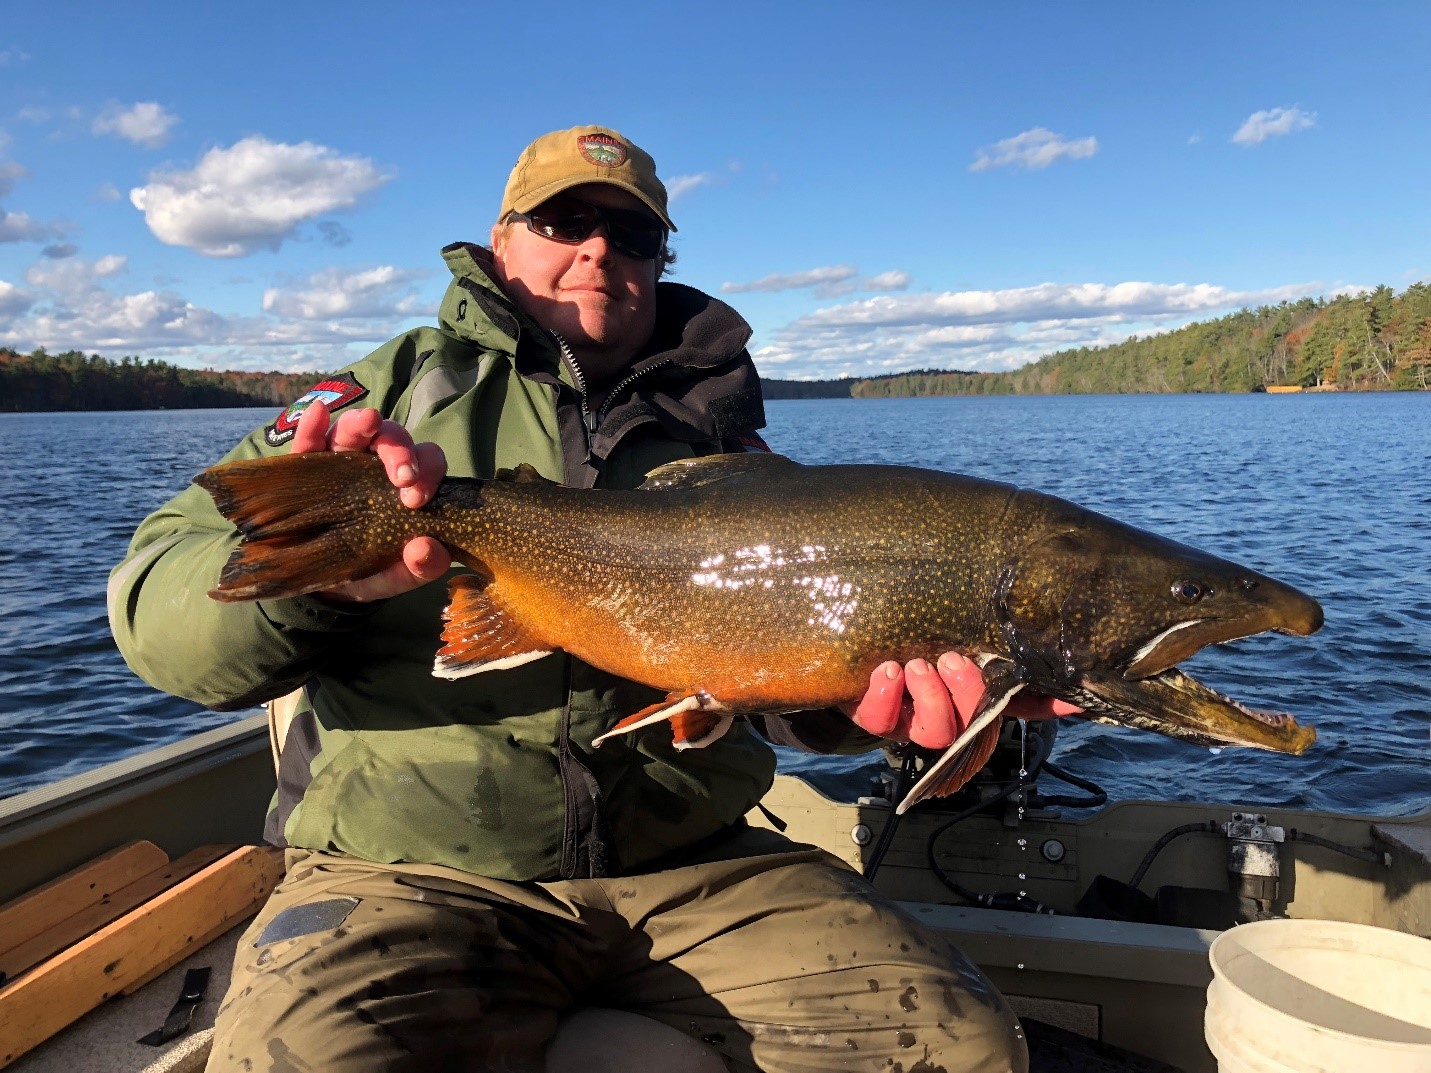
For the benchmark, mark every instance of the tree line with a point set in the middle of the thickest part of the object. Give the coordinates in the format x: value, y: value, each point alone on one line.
x: 76, y: 381
x: 1376, y: 341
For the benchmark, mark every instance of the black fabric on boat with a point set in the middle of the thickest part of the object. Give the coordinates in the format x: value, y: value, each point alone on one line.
x: 300, y: 920
x: 1057, y: 1050
x: 191, y: 993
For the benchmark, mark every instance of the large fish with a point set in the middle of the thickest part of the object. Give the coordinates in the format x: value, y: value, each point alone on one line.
x: 750, y: 583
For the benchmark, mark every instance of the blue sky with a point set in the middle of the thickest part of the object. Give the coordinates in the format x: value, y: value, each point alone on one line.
x: 875, y: 188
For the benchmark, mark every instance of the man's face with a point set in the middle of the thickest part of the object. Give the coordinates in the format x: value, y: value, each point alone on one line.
x: 600, y: 301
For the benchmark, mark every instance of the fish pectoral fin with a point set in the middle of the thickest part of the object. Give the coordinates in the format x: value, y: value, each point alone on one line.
x: 696, y: 719
x: 972, y: 749
x: 694, y: 472
x: 479, y: 635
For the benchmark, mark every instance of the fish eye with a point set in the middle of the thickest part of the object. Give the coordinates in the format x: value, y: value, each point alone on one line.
x: 1189, y: 592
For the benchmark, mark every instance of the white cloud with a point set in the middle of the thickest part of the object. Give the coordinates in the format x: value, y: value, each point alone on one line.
x: 145, y: 123
x: 73, y: 277
x: 9, y: 173
x: 1034, y: 149
x: 322, y: 322
x: 60, y: 250
x: 813, y: 277
x: 107, y: 192
x: 252, y: 195
x: 13, y: 57
x: 19, y: 227
x: 338, y: 294
x: 991, y: 330
x: 886, y: 281
x: 684, y: 184
x: 12, y: 299
x: 1273, y: 123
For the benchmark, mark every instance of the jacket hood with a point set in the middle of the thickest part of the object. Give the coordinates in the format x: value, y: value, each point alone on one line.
x: 694, y: 377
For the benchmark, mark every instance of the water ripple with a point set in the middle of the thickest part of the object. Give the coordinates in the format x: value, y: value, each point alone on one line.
x: 1328, y: 492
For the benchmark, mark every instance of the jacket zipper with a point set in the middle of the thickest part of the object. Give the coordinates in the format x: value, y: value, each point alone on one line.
x: 588, y: 419
x: 592, y: 421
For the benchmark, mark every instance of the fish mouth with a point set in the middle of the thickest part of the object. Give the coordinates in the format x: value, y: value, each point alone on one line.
x: 1175, y: 704
x: 1293, y: 612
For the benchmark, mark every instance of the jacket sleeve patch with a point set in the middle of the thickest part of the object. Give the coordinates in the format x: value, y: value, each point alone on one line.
x: 749, y: 441
x: 333, y: 392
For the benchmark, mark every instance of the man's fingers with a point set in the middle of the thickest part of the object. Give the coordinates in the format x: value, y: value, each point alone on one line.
x: 934, y: 725
x: 878, y: 710
x: 426, y: 559
x: 393, y: 444
x: 1035, y: 706
x: 354, y: 430
x: 431, y: 468
x: 311, y: 432
x: 965, y: 683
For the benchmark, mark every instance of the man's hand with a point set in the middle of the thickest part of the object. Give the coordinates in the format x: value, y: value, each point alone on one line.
x: 941, y: 701
x: 415, y: 469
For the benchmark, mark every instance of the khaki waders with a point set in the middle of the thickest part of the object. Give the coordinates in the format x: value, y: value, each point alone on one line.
x: 775, y: 954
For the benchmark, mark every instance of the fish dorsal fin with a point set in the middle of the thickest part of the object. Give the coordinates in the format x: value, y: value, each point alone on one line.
x: 525, y: 473
x: 694, y: 472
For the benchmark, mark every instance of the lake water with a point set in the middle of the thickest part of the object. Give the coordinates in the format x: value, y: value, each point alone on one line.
x: 1331, y: 493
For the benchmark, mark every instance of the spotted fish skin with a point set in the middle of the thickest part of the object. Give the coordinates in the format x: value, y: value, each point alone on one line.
x: 755, y: 584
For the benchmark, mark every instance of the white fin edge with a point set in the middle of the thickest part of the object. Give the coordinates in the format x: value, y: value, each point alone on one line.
x: 443, y: 669
x: 961, y: 743
x: 696, y: 702
x: 716, y: 733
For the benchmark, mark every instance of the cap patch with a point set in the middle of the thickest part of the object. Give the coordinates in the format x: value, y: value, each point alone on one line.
x: 333, y: 392
x: 602, y: 150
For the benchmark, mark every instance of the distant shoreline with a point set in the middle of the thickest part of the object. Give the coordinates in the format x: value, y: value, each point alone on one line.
x: 1371, y: 341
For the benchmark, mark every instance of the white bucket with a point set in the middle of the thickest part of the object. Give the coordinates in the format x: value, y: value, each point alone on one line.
x: 1319, y: 996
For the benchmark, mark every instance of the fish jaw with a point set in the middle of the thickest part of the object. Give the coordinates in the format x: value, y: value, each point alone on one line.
x: 1177, y: 705
x: 1268, y: 605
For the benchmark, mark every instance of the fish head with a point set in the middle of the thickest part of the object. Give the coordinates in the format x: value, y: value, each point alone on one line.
x: 1102, y: 613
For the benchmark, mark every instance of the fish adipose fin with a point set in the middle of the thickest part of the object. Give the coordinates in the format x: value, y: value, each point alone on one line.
x: 694, y: 472
x: 972, y: 749
x: 479, y: 635
x: 696, y: 719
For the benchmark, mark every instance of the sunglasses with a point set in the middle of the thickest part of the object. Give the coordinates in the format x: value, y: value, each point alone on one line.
x: 569, y: 221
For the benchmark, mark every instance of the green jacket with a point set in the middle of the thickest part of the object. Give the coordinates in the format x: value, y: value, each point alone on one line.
x: 492, y: 773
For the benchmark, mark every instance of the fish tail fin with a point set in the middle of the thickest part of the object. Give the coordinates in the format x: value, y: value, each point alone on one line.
x: 479, y: 634
x: 307, y: 522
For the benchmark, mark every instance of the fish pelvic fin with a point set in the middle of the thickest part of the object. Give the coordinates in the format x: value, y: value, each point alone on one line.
x: 972, y: 749
x: 697, y: 719
x: 307, y: 521
x: 479, y: 635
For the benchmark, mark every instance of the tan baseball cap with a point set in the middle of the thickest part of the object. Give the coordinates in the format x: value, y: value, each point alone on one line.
x: 566, y: 158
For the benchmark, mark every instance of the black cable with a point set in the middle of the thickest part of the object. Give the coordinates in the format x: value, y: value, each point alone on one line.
x: 1207, y: 826
x: 1099, y: 795
x: 886, y: 837
x: 1042, y: 746
x: 1351, y: 851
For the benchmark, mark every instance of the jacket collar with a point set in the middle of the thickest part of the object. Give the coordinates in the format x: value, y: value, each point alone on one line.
x: 694, y: 377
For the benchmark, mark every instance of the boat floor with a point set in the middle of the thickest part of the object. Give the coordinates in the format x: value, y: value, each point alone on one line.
x: 103, y: 1041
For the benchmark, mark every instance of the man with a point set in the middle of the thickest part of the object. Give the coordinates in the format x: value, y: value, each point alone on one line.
x: 464, y: 868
